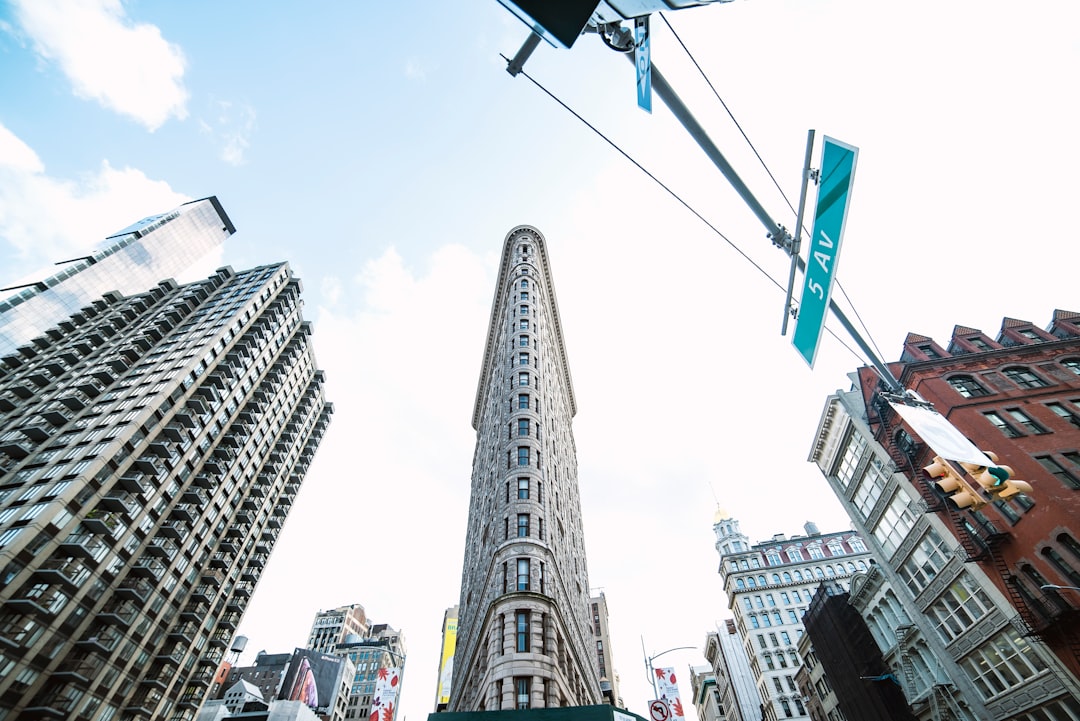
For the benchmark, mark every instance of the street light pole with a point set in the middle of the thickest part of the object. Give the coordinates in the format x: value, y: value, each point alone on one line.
x: 649, y: 659
x: 1055, y: 587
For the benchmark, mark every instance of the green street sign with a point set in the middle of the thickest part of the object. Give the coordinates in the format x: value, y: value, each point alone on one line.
x: 834, y: 194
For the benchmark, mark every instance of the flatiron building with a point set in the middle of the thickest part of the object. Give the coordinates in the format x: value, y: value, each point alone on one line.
x: 524, y: 634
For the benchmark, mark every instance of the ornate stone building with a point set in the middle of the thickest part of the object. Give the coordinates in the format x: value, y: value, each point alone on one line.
x: 524, y: 636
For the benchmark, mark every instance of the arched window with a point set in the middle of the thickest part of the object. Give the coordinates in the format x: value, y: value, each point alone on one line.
x: 798, y: 575
x: 1073, y: 364
x: 862, y: 566
x: 750, y: 581
x: 967, y: 386
x: 818, y: 572
x: 776, y: 578
x: 761, y: 581
x: 787, y: 577
x: 829, y: 571
x: 1023, y: 377
x: 739, y: 583
x: 1070, y: 544
x: 1062, y: 565
x: 851, y: 567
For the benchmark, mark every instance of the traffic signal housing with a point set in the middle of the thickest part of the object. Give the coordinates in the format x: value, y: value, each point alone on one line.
x: 998, y: 480
x: 962, y: 495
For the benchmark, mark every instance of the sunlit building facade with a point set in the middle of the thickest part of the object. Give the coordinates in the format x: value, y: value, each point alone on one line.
x: 769, y: 586
x: 151, y: 446
x: 132, y: 260
x: 525, y: 640
x: 956, y: 602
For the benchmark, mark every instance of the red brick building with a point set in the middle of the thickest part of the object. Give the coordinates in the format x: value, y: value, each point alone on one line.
x: 1018, y: 395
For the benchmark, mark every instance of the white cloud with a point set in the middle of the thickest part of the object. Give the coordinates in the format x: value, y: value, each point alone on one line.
x: 232, y: 126
x: 126, y: 66
x: 45, y: 219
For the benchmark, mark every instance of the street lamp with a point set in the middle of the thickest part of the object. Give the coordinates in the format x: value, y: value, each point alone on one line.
x: 649, y: 659
x: 1055, y: 587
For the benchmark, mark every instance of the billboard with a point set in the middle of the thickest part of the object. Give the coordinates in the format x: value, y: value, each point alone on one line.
x: 313, y: 678
x: 669, y: 692
x: 446, y: 661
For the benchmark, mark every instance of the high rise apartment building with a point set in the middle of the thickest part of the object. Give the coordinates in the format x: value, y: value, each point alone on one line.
x: 335, y: 626
x: 769, y: 586
x: 524, y: 634
x: 151, y: 447
x: 956, y: 602
x: 134, y: 259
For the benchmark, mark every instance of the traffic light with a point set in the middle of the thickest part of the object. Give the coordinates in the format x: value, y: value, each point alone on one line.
x: 998, y: 480
x: 962, y: 494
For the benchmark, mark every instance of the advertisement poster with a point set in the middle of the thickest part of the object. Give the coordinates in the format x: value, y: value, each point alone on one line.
x: 384, y: 701
x: 312, y: 678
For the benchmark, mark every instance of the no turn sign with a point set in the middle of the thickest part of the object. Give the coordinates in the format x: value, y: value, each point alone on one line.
x: 659, y: 711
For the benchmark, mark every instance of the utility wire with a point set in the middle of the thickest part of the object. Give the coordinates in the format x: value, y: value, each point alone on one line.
x: 764, y: 165
x: 674, y: 195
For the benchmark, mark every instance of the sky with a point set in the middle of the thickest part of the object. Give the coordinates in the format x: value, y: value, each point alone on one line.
x: 384, y: 152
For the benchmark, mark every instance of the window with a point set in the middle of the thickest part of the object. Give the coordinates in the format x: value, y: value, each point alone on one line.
x: 523, y: 489
x: 896, y: 522
x: 524, y: 310
x: 523, y: 341
x: 1064, y: 413
x: 928, y: 558
x: 1073, y: 364
x: 815, y: 552
x: 1062, y: 564
x: 523, y: 426
x: 792, y: 617
x: 524, y: 324
x: 521, y: 619
x: 1025, y: 420
x: 524, y: 296
x: 1024, y: 378
x: 523, y: 525
x: 962, y: 604
x: 967, y: 386
x: 523, y: 359
x: 523, y: 401
x: 867, y: 494
x: 850, y: 460
x: 794, y: 556
x: 1002, y: 425
x: 523, y: 379
x: 521, y: 686
x: 524, y: 284
x: 773, y: 558
x: 1001, y: 663
x: 523, y: 574
x: 1058, y: 471
x: 929, y: 351
x: 523, y: 455
x: 857, y: 545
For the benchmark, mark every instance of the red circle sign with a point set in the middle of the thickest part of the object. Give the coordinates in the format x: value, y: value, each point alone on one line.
x: 658, y: 711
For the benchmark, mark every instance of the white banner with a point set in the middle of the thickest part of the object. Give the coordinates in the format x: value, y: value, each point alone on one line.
x: 942, y: 436
x: 384, y: 700
x: 669, y: 692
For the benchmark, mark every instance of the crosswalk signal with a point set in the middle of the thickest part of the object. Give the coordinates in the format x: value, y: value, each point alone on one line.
x: 998, y: 480
x: 962, y: 495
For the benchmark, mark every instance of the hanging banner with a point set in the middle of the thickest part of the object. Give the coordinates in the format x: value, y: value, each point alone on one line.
x: 945, y: 438
x: 384, y: 700
x: 669, y: 692
x: 643, y: 63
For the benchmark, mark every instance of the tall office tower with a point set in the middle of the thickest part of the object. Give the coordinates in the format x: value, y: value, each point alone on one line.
x: 735, y: 683
x: 524, y: 635
x: 373, y: 687
x: 769, y: 586
x: 332, y: 627
x: 150, y: 450
x: 972, y: 608
x: 134, y: 259
x: 609, y: 677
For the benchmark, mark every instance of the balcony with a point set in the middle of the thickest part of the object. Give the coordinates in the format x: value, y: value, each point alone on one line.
x: 75, y: 400
x: 104, y: 375
x: 185, y: 513
x: 86, y: 545
x: 195, y: 611
x: 103, y: 640
x: 148, y: 465
x: 243, y: 590
x: 17, y: 448
x: 148, y: 568
x: 82, y: 670
x: 119, y: 614
x: 65, y: 572
x: 99, y: 521
x: 203, y: 481
x: 133, y: 482
x: 194, y: 496
x: 120, y: 502
x: 134, y: 589
x: 204, y: 593
x: 161, y: 449
x: 92, y: 387
x: 230, y: 621
x: 161, y: 548
x: 174, y: 529
x: 220, y: 560
x: 185, y: 419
